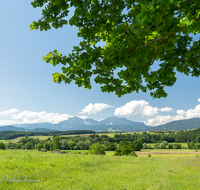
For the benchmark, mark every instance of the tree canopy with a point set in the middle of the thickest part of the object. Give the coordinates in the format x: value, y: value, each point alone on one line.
x: 135, y: 34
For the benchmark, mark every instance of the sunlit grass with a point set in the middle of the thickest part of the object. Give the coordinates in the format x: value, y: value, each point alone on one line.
x: 15, y: 140
x: 78, y: 171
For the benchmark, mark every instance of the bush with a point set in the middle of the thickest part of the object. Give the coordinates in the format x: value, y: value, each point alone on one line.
x: 39, y: 146
x: 170, y: 146
x: 177, y: 146
x: 156, y: 146
x: 133, y: 154
x: 197, y: 145
x: 97, y: 149
x: 145, y: 146
x: 137, y: 145
x: 163, y: 144
x: 149, y: 155
x: 125, y: 150
x: 2, y: 146
x: 192, y: 145
x: 111, y: 147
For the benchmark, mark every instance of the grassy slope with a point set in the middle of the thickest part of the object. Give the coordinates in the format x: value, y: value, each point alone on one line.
x: 15, y: 140
x: 70, y: 171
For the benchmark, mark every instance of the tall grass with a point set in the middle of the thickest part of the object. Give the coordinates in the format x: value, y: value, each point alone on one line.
x: 77, y: 171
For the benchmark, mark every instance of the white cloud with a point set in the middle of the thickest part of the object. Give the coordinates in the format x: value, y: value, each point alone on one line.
x: 134, y: 107
x: 142, y: 109
x: 158, y: 120
x: 8, y: 112
x: 181, y: 114
x: 166, y: 109
x: 41, y: 117
x: 83, y: 117
x: 8, y: 122
x: 94, y: 108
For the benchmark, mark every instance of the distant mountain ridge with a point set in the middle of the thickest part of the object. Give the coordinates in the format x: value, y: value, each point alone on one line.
x: 109, y: 124
x: 76, y: 123
x: 193, y: 123
x: 11, y: 128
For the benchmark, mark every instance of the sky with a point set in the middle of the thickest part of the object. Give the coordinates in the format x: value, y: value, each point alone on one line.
x: 28, y: 94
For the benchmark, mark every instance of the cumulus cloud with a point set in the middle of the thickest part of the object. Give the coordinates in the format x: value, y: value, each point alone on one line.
x: 83, y: 117
x: 8, y: 122
x: 181, y: 114
x: 41, y: 117
x: 94, y: 108
x: 8, y: 112
x: 134, y: 108
x: 30, y: 117
x: 142, y: 109
x: 166, y: 109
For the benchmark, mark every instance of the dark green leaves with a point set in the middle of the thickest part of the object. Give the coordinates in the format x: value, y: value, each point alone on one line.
x: 135, y: 35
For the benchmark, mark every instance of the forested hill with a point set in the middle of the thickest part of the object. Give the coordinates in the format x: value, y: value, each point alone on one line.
x: 12, y: 128
x: 6, y: 135
x: 178, y: 125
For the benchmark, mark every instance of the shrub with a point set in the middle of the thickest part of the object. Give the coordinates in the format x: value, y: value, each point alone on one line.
x: 145, y: 146
x: 39, y: 146
x: 137, y: 144
x: 177, y: 146
x: 192, y: 145
x: 156, y: 146
x: 110, y: 147
x: 97, y: 149
x: 2, y: 146
x: 125, y: 150
x: 170, y: 146
x: 163, y: 144
x: 197, y: 145
x: 149, y: 155
x: 133, y: 154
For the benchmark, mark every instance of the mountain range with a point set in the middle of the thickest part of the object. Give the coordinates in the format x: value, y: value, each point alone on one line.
x: 110, y: 124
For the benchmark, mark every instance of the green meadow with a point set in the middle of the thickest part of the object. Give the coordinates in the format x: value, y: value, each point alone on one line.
x: 31, y: 169
x: 15, y: 140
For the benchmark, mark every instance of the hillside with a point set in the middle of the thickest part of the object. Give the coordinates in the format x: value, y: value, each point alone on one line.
x: 193, y: 123
x: 109, y: 124
x: 76, y: 123
x: 12, y: 128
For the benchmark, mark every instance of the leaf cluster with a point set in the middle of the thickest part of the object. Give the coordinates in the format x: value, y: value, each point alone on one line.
x: 135, y: 35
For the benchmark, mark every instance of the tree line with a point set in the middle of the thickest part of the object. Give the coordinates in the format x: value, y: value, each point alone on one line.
x: 7, y: 135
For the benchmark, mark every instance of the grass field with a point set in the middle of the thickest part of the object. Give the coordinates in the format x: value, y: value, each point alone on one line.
x: 15, y: 140
x: 84, y: 172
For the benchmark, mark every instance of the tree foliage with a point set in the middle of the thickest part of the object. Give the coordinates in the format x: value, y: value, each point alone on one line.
x: 137, y: 145
x: 97, y: 149
x: 125, y: 149
x: 135, y: 34
x: 2, y: 146
x: 163, y: 144
x: 56, y: 142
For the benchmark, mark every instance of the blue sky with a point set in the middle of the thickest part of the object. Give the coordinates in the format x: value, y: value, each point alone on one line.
x: 28, y: 94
